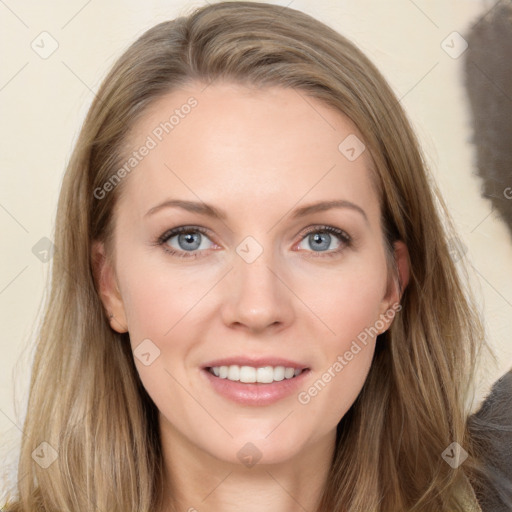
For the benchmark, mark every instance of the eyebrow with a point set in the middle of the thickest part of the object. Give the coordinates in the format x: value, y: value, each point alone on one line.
x: 210, y: 211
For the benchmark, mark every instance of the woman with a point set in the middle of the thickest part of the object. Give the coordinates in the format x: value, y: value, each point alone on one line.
x: 253, y: 302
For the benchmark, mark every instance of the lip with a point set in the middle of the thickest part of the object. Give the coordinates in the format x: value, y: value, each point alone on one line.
x: 256, y: 362
x: 255, y: 394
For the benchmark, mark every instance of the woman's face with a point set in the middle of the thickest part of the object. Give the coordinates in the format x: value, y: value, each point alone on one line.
x: 259, y: 278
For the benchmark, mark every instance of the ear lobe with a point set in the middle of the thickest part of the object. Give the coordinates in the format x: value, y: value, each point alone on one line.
x: 106, y: 284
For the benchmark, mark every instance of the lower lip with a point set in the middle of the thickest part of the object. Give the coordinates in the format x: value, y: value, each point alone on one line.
x: 256, y: 394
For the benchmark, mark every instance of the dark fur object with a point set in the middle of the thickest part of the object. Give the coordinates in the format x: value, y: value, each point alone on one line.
x: 488, y: 77
x: 491, y: 429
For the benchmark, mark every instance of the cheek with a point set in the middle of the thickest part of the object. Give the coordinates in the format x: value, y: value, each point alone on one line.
x: 333, y: 391
x: 350, y: 308
x: 346, y: 354
x: 156, y: 297
x: 349, y: 300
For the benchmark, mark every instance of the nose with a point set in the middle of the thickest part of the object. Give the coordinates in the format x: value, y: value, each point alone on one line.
x: 257, y: 297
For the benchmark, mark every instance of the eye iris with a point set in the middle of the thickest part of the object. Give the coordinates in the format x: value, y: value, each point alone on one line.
x: 324, y: 240
x: 189, y: 238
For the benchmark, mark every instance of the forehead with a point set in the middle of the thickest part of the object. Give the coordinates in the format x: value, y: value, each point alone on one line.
x: 230, y: 143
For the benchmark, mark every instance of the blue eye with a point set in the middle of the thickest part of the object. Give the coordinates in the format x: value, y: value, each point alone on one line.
x: 191, y: 241
x: 319, y: 239
x: 188, y: 239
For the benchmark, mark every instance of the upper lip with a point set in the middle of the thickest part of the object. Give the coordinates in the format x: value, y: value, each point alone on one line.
x: 256, y: 362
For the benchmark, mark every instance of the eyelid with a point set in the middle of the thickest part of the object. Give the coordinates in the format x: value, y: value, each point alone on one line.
x: 325, y: 228
x: 183, y: 229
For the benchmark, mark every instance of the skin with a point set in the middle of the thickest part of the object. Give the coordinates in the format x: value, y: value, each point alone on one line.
x: 257, y: 154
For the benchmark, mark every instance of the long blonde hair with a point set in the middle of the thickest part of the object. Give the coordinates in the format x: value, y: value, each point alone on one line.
x: 86, y: 399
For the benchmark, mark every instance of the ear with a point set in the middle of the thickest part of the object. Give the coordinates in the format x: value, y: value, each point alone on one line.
x: 108, y: 288
x: 402, y: 263
x: 395, y: 287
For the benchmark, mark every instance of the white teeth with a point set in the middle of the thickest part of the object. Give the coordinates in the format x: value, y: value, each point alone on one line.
x: 248, y: 374
x: 289, y: 373
x: 279, y: 373
x: 265, y: 374
x: 234, y: 373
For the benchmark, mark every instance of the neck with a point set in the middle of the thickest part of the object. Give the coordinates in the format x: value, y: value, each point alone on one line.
x: 196, y: 481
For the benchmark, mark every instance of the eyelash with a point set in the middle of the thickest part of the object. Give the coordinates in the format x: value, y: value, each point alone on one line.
x: 162, y: 240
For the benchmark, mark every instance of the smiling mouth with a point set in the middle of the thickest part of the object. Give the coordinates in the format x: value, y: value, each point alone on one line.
x: 251, y: 374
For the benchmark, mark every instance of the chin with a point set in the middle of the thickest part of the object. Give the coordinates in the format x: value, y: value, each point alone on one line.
x: 251, y: 449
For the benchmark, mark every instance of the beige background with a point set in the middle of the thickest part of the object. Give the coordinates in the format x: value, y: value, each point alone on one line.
x: 44, y: 101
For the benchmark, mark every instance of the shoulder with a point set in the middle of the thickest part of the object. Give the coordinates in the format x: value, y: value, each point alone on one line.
x: 491, y: 429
